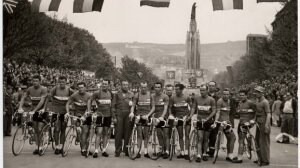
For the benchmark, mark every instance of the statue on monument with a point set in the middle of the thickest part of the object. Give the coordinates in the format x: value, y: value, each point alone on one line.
x: 193, y: 15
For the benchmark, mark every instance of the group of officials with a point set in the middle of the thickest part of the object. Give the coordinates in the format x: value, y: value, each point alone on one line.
x: 162, y: 103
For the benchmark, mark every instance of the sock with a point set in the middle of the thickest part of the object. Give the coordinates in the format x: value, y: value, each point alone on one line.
x: 240, y: 157
x: 104, y: 150
x: 230, y: 155
x: 57, y: 147
x: 182, y: 152
x: 167, y: 152
x: 83, y: 150
x: 145, y: 151
x: 96, y: 150
x: 198, y: 156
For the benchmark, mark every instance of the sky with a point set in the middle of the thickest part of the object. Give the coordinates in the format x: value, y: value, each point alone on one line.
x: 126, y: 21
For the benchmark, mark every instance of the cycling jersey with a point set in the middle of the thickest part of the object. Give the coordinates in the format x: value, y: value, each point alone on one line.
x: 103, y: 100
x: 36, y: 94
x: 59, y: 99
x: 160, y: 101
x: 143, y: 103
x: 80, y: 101
x: 246, y: 111
x: 180, y: 105
x: 224, y: 107
x: 204, y: 106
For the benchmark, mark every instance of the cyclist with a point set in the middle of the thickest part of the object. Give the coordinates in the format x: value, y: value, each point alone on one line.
x: 80, y: 99
x: 223, y: 109
x: 206, y: 110
x: 59, y: 95
x: 37, y: 93
x: 143, y: 102
x: 161, y: 102
x: 180, y: 108
x: 246, y: 111
x: 103, y: 98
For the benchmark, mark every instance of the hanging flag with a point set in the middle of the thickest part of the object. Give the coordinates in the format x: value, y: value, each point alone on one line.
x: 155, y: 3
x: 9, y: 5
x: 170, y: 74
x: 258, y: 1
x: 45, y: 5
x: 199, y: 73
x: 227, y: 4
x: 81, y: 6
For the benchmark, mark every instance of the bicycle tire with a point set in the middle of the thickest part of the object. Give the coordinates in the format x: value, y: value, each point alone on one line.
x: 52, y: 138
x: 217, y: 146
x: 133, y: 145
x: 256, y: 150
x: 105, y: 146
x: 44, y: 139
x: 172, y: 144
x: 70, y: 136
x: 247, y: 147
x: 22, y: 140
x: 153, y: 144
x: 193, y: 145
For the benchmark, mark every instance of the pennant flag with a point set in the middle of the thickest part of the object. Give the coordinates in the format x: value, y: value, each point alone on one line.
x: 9, y: 5
x: 81, y: 6
x: 140, y: 74
x: 227, y: 4
x: 258, y: 1
x: 155, y: 3
x: 45, y: 5
x: 170, y: 74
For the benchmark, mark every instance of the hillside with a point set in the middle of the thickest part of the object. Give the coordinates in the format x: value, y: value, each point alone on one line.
x: 161, y: 57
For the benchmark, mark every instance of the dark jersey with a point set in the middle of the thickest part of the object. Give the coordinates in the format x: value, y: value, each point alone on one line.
x: 160, y: 101
x: 246, y: 111
x: 143, y: 103
x: 204, y: 106
x: 180, y: 105
x: 103, y: 100
x: 36, y: 94
x: 60, y: 98
x: 224, y: 108
x: 80, y: 101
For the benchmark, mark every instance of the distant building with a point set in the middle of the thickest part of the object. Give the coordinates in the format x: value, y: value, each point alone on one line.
x: 253, y: 40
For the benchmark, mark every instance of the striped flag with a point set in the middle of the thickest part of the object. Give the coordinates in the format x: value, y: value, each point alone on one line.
x: 155, y: 3
x: 81, y: 6
x: 45, y: 5
x: 258, y: 1
x: 227, y: 4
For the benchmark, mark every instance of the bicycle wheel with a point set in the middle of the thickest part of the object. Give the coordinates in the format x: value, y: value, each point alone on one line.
x: 247, y: 147
x: 19, y: 140
x: 70, y: 137
x: 90, y: 141
x: 217, y: 146
x: 193, y: 145
x: 133, y: 148
x: 172, y: 143
x: 153, y: 147
x: 255, y: 149
x: 44, y: 139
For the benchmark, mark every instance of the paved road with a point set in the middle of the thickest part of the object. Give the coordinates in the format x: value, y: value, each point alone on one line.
x: 282, y: 155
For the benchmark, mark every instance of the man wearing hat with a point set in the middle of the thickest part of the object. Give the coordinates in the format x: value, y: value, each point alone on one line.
x: 263, y: 117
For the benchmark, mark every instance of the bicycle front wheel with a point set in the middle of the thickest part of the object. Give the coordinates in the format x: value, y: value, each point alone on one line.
x: 19, y: 140
x: 217, y: 146
x: 193, y: 145
x: 255, y: 149
x: 44, y: 139
x: 70, y: 137
x: 247, y: 147
x: 154, y: 149
x: 133, y: 147
x: 172, y: 143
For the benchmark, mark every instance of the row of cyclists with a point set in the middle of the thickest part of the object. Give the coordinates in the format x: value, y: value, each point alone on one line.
x: 162, y: 106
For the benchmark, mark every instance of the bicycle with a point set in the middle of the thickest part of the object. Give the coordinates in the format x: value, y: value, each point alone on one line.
x: 224, y: 125
x: 133, y: 148
x: 26, y: 131
x: 72, y: 134
x: 174, y: 134
x: 249, y: 142
x: 47, y: 133
x: 154, y: 149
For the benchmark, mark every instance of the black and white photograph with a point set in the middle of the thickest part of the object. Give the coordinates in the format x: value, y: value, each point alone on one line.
x: 149, y: 83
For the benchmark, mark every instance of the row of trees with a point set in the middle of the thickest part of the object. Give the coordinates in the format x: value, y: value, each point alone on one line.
x: 43, y: 40
x: 276, y: 55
